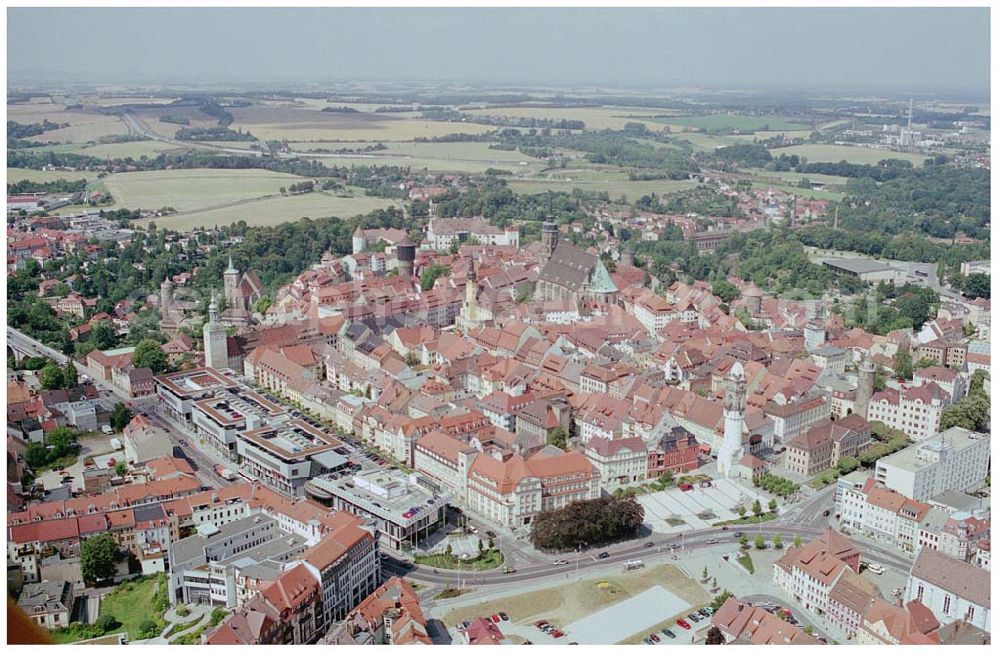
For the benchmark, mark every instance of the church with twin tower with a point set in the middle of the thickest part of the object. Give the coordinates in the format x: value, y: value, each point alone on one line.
x: 734, y: 409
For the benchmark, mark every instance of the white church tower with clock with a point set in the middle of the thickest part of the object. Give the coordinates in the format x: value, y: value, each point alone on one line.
x: 734, y: 409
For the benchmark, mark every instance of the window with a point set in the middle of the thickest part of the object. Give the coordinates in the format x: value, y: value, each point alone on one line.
x: 920, y: 593
x: 947, y: 604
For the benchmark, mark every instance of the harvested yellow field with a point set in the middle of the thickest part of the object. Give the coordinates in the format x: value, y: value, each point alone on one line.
x: 593, y: 117
x: 194, y: 189
x: 84, y: 126
x: 274, y: 210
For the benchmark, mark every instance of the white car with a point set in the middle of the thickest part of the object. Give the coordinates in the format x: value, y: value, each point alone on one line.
x: 561, y: 561
x: 876, y: 569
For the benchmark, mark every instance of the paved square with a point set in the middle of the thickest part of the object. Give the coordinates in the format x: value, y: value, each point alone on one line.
x: 722, y: 500
x: 623, y: 620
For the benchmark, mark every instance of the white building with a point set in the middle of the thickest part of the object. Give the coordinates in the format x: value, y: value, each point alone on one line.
x: 953, y: 590
x: 795, y: 418
x: 621, y: 462
x: 914, y: 410
x: 956, y: 459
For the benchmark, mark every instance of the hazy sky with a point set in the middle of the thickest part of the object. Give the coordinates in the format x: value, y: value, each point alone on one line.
x: 890, y: 49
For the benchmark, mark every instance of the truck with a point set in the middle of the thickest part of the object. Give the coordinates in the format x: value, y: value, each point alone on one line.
x: 223, y: 472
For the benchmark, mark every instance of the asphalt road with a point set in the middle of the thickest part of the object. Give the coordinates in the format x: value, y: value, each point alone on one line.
x: 661, y: 549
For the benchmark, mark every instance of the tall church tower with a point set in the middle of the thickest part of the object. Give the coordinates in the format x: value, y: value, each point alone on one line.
x: 166, y: 296
x: 214, y: 333
x: 550, y: 236
x: 734, y: 408
x: 866, y: 386
x: 230, y: 281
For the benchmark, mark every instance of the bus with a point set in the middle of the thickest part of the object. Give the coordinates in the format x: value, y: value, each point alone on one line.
x: 634, y: 565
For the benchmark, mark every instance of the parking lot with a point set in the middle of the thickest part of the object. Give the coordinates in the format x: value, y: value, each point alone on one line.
x: 722, y: 500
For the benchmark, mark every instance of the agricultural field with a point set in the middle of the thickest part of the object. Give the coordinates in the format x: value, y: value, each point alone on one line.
x: 594, y: 117
x: 706, y: 141
x: 837, y: 153
x: 742, y: 122
x: 472, y: 157
x: 193, y: 189
x: 151, y: 118
x: 304, y: 126
x: 136, y: 149
x: 84, y: 126
x: 615, y: 185
x: 791, y: 178
x: 808, y: 193
x: 275, y: 210
x: 15, y: 174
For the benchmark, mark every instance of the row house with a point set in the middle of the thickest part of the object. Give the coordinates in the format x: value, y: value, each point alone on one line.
x: 620, y: 462
x: 809, y: 572
x: 824, y: 445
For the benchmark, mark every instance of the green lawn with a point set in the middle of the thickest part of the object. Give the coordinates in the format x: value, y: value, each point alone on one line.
x: 746, y: 562
x: 135, y: 601
x: 130, y: 603
x: 750, y: 519
x: 491, y: 559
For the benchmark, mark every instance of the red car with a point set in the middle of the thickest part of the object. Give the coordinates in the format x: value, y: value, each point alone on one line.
x: 540, y: 623
x: 496, y: 619
x: 683, y: 624
x: 557, y: 633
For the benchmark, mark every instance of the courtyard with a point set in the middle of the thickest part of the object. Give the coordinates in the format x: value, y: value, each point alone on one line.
x: 674, y: 511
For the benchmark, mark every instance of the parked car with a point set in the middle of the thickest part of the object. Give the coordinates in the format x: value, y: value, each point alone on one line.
x: 669, y: 633
x: 694, y: 617
x: 646, y: 640
x: 557, y: 633
x: 686, y: 487
x: 875, y: 568
x: 504, y: 617
x: 654, y: 637
x: 495, y: 618
x: 683, y: 624
x: 540, y: 623
x: 705, y: 612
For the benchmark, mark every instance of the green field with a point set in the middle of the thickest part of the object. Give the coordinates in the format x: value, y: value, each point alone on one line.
x: 15, y: 174
x: 300, y: 125
x: 802, y: 192
x: 470, y: 157
x: 743, y: 122
x: 614, y: 185
x: 274, y: 210
x: 837, y: 153
x: 594, y: 117
x: 136, y: 149
x: 193, y: 189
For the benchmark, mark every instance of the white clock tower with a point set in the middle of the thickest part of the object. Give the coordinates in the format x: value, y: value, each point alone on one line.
x: 734, y: 409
